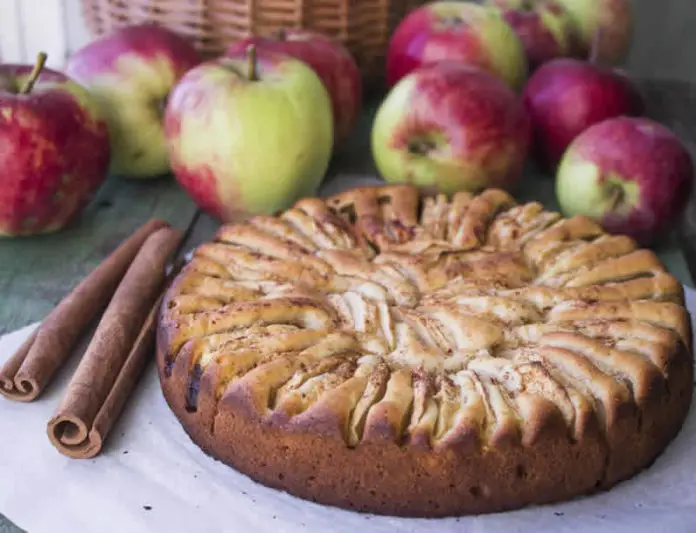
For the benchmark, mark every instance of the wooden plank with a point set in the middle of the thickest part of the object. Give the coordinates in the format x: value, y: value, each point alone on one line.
x: 8, y: 527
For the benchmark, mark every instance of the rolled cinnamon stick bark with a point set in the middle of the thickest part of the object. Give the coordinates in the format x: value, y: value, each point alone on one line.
x: 27, y: 373
x: 119, y: 349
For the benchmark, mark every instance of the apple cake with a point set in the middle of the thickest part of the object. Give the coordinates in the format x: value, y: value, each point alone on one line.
x: 392, y: 353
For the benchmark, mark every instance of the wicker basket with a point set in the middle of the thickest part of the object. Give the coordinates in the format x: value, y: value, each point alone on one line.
x: 364, y: 26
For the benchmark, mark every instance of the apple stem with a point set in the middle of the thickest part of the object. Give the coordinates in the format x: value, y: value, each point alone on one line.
x: 594, y: 49
x: 421, y: 147
x: 38, y: 67
x: 251, y: 58
x: 616, y: 197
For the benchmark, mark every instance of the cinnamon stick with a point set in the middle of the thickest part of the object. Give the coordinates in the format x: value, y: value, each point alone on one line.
x: 27, y: 373
x: 115, y: 357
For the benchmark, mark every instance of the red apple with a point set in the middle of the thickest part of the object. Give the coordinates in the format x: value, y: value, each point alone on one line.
x: 566, y: 96
x: 543, y: 26
x: 632, y: 175
x: 131, y: 73
x: 456, y: 31
x: 54, y: 149
x: 330, y: 60
x: 451, y: 127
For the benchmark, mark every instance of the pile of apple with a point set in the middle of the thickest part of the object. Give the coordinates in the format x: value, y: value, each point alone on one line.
x: 249, y: 132
x: 462, y: 115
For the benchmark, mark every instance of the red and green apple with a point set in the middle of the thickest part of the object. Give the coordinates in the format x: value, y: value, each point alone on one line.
x: 632, y: 175
x: 330, y: 60
x: 451, y: 127
x: 465, y: 32
x: 249, y: 134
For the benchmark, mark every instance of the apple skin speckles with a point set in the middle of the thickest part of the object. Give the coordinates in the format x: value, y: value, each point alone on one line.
x: 544, y: 28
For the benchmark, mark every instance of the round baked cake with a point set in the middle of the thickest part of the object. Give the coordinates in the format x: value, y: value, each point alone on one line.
x: 426, y: 356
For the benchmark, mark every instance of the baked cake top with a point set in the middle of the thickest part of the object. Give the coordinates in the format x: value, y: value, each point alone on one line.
x: 428, y: 320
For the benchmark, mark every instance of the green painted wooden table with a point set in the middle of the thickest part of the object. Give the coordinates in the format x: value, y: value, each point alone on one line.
x: 35, y: 273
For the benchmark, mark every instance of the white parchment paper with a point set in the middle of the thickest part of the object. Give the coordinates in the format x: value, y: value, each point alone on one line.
x: 152, y: 478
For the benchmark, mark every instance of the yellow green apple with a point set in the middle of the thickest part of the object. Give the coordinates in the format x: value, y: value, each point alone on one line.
x: 130, y: 73
x: 249, y: 133
x: 331, y: 61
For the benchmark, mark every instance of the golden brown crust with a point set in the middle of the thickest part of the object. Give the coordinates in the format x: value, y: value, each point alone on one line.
x: 426, y: 356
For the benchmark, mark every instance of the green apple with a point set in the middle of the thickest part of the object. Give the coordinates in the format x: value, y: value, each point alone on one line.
x: 249, y: 134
